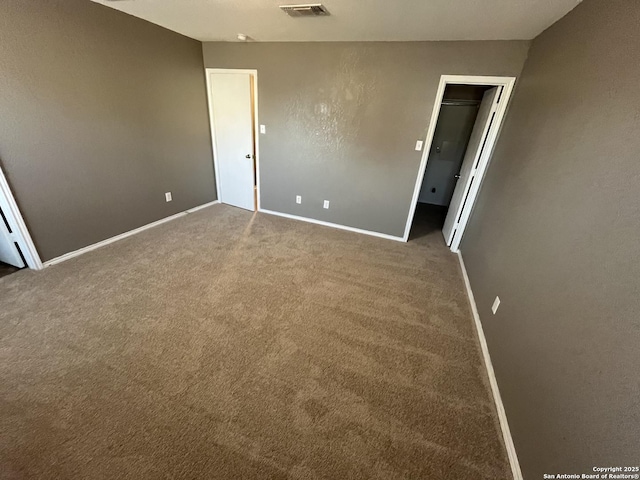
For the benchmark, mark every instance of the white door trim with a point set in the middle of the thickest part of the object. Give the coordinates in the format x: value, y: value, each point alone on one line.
x: 20, y: 233
x: 508, y: 84
x: 256, y: 126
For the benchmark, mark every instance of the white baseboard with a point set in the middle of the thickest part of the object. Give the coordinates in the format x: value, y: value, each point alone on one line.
x: 333, y: 225
x: 502, y: 416
x: 200, y: 207
x: 95, y: 246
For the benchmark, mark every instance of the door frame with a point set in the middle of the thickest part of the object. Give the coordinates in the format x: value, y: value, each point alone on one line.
x: 19, y: 232
x: 256, y: 126
x: 508, y: 84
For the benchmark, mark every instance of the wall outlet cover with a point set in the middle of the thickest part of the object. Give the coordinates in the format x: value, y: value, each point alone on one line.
x: 167, y: 196
x: 325, y: 204
x: 298, y: 199
x: 496, y: 304
x: 419, y: 144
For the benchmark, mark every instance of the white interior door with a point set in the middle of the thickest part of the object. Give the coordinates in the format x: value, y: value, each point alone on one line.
x: 233, y: 136
x: 472, y: 157
x: 8, y: 251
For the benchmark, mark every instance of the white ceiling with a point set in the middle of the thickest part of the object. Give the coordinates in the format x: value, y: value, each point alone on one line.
x: 352, y: 20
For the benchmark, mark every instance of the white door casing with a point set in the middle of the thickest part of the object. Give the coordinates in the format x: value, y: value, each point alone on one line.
x: 232, y: 127
x: 19, y: 232
x: 507, y: 84
x: 477, y: 143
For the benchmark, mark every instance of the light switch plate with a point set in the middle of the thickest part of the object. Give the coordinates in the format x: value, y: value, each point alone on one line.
x: 496, y: 304
x: 326, y: 204
x: 263, y: 129
x: 167, y: 196
x: 419, y: 144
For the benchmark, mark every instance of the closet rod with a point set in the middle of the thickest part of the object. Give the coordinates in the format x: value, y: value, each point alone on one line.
x: 460, y: 102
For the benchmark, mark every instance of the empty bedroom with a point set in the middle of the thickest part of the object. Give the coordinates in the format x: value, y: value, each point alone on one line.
x: 336, y: 240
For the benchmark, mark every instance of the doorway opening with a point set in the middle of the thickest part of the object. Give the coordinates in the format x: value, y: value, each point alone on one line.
x: 6, y: 269
x: 233, y: 113
x: 464, y: 126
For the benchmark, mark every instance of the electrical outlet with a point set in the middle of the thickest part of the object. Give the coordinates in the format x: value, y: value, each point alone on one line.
x: 298, y: 199
x: 496, y: 304
x: 167, y: 196
x: 419, y: 144
x: 326, y: 204
x: 263, y: 129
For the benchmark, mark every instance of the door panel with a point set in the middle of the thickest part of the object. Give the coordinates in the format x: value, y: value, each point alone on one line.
x: 8, y: 251
x: 469, y: 164
x: 233, y: 127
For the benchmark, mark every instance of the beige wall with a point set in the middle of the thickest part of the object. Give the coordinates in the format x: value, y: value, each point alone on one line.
x: 343, y: 118
x: 556, y: 234
x: 101, y: 113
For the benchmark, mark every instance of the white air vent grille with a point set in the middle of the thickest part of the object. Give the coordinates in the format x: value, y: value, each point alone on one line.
x: 306, y: 10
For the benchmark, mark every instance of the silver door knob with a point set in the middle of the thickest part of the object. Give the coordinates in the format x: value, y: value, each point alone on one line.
x: 456, y: 176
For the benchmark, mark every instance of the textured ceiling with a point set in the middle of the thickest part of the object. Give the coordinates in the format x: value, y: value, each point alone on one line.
x: 352, y: 20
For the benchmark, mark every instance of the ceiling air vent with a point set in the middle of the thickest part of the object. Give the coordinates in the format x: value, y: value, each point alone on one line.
x: 305, y: 10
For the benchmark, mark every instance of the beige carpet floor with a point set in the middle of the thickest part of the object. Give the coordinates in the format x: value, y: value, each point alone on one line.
x: 233, y: 345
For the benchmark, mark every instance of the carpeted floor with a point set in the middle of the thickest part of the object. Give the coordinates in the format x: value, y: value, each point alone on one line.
x: 228, y: 345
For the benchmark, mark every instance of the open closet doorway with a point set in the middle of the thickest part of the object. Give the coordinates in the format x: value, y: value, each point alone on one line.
x: 464, y: 126
x: 233, y: 113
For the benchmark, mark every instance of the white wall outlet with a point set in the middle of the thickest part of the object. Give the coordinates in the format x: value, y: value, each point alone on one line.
x: 298, y: 199
x: 496, y: 304
x: 419, y: 144
x: 263, y: 129
x: 326, y: 204
x: 167, y: 196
